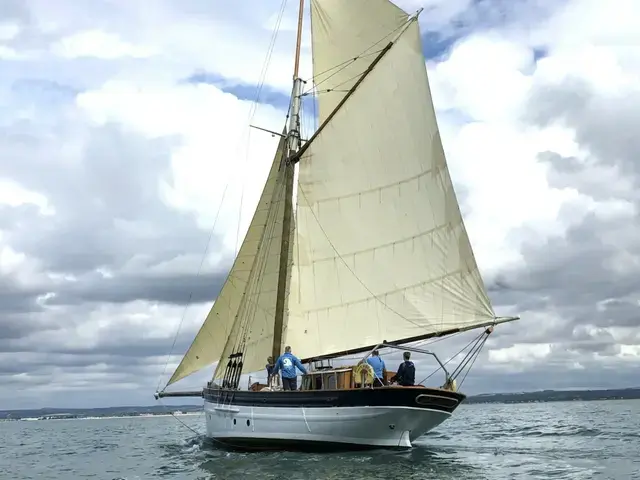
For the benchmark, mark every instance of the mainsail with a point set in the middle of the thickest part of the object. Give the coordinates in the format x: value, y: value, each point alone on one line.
x: 380, y: 250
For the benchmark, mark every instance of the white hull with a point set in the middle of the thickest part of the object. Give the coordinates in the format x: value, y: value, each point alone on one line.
x: 383, y: 426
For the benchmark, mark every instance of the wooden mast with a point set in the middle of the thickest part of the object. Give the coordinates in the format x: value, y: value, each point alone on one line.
x: 293, y: 137
x: 296, y: 61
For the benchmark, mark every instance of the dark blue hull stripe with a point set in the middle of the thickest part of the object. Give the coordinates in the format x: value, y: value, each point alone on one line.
x: 416, y: 397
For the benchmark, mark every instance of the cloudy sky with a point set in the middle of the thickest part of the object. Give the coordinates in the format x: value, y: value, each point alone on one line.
x: 123, y: 127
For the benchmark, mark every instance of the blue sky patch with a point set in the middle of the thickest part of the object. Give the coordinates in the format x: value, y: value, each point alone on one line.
x: 242, y: 90
x: 435, y: 45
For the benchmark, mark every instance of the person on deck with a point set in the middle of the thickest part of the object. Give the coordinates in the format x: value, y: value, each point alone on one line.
x: 379, y: 369
x: 288, y: 362
x: 270, y: 366
x: 406, y: 374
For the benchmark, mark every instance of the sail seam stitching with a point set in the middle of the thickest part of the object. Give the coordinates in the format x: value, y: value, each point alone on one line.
x: 404, y: 181
x: 373, y: 295
x: 385, y: 245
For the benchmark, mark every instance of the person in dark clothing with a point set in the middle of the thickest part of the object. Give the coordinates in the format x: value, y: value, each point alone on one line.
x: 406, y: 374
x: 270, y: 366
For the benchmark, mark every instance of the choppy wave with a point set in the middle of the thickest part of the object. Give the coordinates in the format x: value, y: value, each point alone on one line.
x: 591, y: 440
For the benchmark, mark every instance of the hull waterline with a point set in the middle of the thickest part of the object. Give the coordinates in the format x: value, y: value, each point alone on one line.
x: 390, y: 417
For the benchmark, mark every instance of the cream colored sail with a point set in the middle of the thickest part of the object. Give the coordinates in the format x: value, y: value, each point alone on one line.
x: 346, y: 36
x: 252, y: 332
x: 244, y: 309
x: 381, y: 251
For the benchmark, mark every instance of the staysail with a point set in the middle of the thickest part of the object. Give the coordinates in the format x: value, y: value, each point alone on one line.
x: 380, y: 248
x: 242, y: 317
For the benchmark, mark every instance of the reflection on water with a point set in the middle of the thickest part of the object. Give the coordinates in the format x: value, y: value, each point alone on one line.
x: 421, y: 462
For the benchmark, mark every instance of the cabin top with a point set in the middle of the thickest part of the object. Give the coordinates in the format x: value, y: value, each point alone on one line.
x: 341, y: 378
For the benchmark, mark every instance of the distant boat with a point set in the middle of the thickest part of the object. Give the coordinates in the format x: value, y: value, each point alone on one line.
x: 375, y: 255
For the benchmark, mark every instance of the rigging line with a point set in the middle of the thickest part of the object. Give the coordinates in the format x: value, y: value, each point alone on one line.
x: 301, y: 113
x: 215, y: 222
x: 362, y: 54
x: 334, y: 89
x: 166, y: 408
x: 347, y: 265
x: 426, y: 342
x: 429, y: 341
x: 186, y: 307
x: 256, y: 280
x: 315, y: 113
x: 254, y: 283
x: 473, y: 362
x: 241, y: 317
x: 267, y: 60
x: 252, y: 112
x: 274, y: 237
x: 242, y: 326
x: 475, y: 351
x: 450, y: 358
x: 308, y: 119
x: 254, y: 106
x: 348, y: 63
x: 249, y: 306
x: 465, y: 360
x: 202, y: 260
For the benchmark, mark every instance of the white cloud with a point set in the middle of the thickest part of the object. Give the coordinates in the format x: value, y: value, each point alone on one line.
x: 520, y: 353
x: 8, y: 53
x: 488, y: 78
x: 135, y: 62
x: 8, y: 31
x: 217, y: 147
x: 13, y: 194
x: 99, y: 44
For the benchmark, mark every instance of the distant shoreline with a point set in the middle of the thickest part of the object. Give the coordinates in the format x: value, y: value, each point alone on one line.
x: 180, y: 410
x: 105, y: 417
x: 557, y: 396
x: 99, y: 413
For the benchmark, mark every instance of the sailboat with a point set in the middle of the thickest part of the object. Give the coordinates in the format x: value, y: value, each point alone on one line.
x: 371, y: 254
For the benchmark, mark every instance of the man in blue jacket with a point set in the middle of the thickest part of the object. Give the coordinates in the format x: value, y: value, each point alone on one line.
x: 287, y: 362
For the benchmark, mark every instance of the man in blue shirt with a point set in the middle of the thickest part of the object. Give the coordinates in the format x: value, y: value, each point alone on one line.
x: 379, y: 369
x: 287, y: 362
